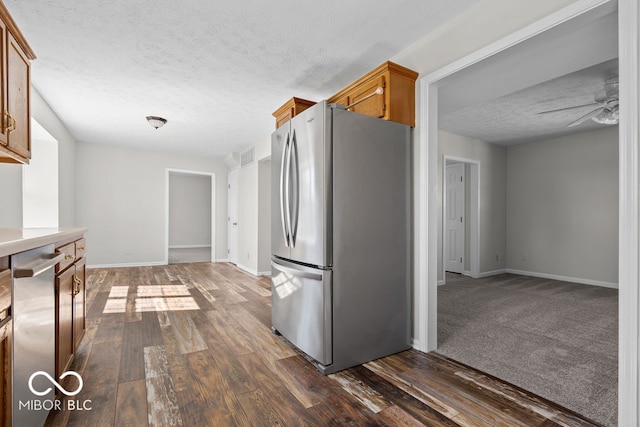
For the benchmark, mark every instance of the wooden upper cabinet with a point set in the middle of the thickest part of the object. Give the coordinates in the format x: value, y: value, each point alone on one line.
x: 15, y: 116
x: 290, y: 109
x: 364, y: 102
x: 397, y: 101
x: 18, y: 115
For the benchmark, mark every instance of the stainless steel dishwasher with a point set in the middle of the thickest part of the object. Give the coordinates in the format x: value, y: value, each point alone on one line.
x: 33, y: 313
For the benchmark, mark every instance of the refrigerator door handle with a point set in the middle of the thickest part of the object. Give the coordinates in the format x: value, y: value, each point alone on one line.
x: 293, y: 222
x: 284, y: 203
x: 296, y: 272
x: 287, y: 189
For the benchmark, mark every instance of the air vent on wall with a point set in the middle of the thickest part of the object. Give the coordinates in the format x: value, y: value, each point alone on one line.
x: 246, y: 158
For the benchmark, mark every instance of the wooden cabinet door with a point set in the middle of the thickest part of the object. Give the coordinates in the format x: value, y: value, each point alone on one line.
x: 64, y: 320
x: 372, y: 106
x: 3, y: 85
x: 18, y: 99
x: 6, y: 330
x: 79, y: 303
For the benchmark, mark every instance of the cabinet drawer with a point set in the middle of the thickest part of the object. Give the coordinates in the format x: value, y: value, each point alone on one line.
x: 69, y: 251
x: 81, y: 248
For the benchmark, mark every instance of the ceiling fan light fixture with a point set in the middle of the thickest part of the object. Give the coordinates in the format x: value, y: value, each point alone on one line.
x: 608, y: 117
x: 156, y: 122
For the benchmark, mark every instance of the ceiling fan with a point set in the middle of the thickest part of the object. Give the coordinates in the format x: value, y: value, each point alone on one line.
x: 607, y: 111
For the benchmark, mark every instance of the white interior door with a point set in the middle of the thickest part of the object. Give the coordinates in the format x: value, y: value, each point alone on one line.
x: 454, y: 214
x: 232, y: 218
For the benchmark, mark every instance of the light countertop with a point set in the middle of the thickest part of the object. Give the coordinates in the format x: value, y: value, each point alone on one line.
x: 14, y: 240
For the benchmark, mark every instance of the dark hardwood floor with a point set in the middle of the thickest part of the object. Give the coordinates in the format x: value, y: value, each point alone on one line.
x: 191, y: 345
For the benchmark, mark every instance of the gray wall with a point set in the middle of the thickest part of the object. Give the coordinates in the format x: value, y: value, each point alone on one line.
x: 122, y: 199
x: 562, y: 206
x: 189, y: 210
x: 548, y: 208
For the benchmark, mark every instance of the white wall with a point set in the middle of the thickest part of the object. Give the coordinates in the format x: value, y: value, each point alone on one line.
x: 493, y: 176
x: 45, y: 116
x: 562, y: 207
x: 121, y: 198
x: 248, y: 217
x: 254, y: 211
x: 264, y: 216
x: 40, y: 183
x: 189, y: 210
x: 11, y: 179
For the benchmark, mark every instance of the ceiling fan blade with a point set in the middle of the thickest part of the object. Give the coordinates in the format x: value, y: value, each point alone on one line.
x: 586, y: 117
x: 567, y: 108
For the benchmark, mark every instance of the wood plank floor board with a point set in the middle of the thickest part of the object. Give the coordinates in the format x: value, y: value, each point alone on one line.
x: 239, y: 380
x: 229, y: 333
x: 301, y: 378
x: 163, y: 407
x: 131, y: 404
x: 220, y: 365
x: 397, y: 397
x: 188, y: 337
x: 282, y: 399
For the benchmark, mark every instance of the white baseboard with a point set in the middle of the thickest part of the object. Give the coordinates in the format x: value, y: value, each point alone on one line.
x: 188, y: 246
x: 440, y: 282
x: 247, y: 269
x: 484, y: 274
x: 563, y: 278
x: 222, y: 260
x: 264, y: 273
x: 127, y: 264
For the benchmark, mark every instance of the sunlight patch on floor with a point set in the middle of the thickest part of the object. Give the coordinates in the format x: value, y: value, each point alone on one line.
x: 151, y: 298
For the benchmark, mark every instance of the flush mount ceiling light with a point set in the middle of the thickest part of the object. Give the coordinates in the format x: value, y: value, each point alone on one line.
x: 156, y: 122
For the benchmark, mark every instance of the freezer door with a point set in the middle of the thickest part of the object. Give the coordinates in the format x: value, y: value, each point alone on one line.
x: 301, y: 308
x: 280, y: 233
x: 309, y: 186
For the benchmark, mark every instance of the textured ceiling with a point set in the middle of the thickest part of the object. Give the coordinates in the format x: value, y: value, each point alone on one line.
x: 497, y: 99
x: 512, y: 119
x: 215, y: 70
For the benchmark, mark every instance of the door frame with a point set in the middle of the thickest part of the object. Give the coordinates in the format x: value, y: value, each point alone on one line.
x: 235, y: 172
x: 473, y: 216
x: 212, y: 175
x: 628, y: 275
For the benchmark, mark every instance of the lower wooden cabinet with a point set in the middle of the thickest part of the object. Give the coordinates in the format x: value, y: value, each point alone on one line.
x: 6, y: 331
x: 70, y: 304
x: 79, y: 303
x: 64, y: 320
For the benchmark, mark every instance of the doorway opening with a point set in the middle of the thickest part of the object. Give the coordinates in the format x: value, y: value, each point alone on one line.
x: 461, y: 217
x: 427, y: 218
x: 190, y: 216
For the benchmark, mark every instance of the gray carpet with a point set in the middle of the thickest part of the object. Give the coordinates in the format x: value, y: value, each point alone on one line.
x: 556, y: 339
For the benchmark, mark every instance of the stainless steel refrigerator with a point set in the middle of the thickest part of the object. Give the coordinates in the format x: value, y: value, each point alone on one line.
x: 340, y: 225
